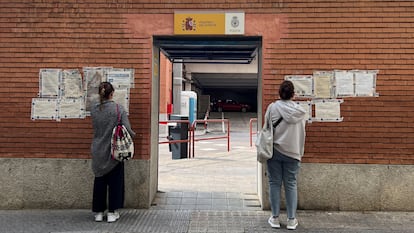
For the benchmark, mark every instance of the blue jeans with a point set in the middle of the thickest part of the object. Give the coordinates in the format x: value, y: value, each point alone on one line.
x: 284, y: 169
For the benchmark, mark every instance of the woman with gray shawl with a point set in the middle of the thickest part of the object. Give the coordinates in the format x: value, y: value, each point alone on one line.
x: 109, y: 173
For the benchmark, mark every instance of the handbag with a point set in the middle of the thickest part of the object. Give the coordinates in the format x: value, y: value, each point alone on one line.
x: 122, y: 146
x: 264, y: 141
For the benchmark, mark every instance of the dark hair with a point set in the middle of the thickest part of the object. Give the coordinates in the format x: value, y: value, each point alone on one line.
x: 286, y: 90
x: 105, y: 90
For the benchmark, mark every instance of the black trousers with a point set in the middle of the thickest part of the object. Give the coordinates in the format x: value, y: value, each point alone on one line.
x: 111, y: 186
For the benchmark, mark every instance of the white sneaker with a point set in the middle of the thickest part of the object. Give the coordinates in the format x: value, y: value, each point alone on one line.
x: 99, y: 217
x: 274, y: 222
x: 292, y: 224
x: 113, y: 216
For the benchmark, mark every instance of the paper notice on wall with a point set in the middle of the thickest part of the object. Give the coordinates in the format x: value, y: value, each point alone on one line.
x: 71, y: 108
x: 303, y: 84
x: 327, y: 110
x: 344, y: 83
x: 308, y: 108
x: 323, y: 84
x: 93, y: 76
x: 71, y: 84
x: 365, y: 83
x: 44, y: 109
x: 121, y: 96
x: 49, y: 80
x: 119, y: 79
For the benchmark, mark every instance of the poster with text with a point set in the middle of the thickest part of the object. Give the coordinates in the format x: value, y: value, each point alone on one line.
x: 71, y: 84
x: 327, y: 110
x: 121, y: 78
x: 121, y: 96
x: 307, y: 105
x: 49, y: 80
x: 344, y: 83
x: 323, y: 86
x: 71, y: 108
x: 44, y: 109
x: 303, y: 85
x: 365, y: 83
x: 93, y: 76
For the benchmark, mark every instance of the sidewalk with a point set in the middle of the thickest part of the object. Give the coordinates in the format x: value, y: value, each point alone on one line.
x: 197, y: 221
x: 213, y: 193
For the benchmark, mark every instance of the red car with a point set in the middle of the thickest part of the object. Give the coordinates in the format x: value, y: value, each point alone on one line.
x: 231, y: 105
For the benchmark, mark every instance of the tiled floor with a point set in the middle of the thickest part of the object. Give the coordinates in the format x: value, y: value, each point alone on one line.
x: 206, y: 201
x: 214, y: 179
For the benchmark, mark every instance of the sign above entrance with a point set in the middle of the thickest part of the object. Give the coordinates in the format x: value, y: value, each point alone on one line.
x: 208, y: 23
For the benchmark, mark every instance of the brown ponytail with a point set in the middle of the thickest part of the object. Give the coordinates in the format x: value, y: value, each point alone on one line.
x: 105, y: 90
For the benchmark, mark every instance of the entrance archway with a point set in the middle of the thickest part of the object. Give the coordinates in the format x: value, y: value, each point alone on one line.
x: 202, y: 50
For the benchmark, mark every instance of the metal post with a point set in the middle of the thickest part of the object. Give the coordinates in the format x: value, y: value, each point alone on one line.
x: 177, y: 87
x: 222, y: 123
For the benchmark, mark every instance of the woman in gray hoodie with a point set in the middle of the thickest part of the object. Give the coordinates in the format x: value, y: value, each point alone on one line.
x: 288, y: 147
x: 109, y: 173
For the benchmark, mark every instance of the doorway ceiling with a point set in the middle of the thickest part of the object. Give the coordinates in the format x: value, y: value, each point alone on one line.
x: 209, y: 49
x: 213, y: 50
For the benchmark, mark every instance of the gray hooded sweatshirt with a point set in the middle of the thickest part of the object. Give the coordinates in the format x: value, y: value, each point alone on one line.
x: 103, y: 121
x: 289, y: 135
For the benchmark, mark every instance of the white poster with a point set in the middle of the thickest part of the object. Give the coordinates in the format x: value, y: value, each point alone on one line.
x: 323, y: 84
x: 344, y: 83
x: 71, y: 84
x: 327, y: 110
x: 121, y: 96
x: 303, y: 84
x: 308, y: 108
x: 93, y: 76
x: 49, y: 80
x: 365, y: 83
x: 119, y: 79
x: 71, y: 108
x: 44, y: 109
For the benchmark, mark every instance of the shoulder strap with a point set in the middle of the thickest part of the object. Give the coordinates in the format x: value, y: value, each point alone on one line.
x: 277, y: 122
x: 118, y: 114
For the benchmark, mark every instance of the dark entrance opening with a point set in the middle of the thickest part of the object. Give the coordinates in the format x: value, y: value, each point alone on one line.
x: 224, y: 87
x: 212, y: 169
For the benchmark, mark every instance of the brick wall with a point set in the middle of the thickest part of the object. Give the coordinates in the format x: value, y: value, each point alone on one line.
x: 345, y: 35
x: 54, y: 34
x: 322, y: 35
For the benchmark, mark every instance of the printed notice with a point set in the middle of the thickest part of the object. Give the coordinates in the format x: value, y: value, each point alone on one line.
x: 120, y: 79
x: 308, y: 108
x: 71, y: 108
x: 71, y: 84
x: 49, y: 82
x: 365, y: 83
x: 323, y: 84
x: 344, y: 83
x: 44, y: 109
x: 121, y: 96
x: 327, y: 110
x: 303, y: 85
x: 93, y: 77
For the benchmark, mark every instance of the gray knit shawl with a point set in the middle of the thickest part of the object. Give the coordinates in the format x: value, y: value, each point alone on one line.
x: 104, y: 119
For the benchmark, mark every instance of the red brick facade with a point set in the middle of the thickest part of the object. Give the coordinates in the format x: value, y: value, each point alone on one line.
x: 323, y: 35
